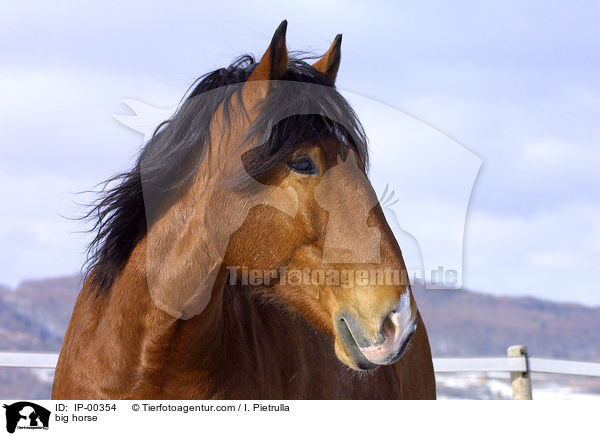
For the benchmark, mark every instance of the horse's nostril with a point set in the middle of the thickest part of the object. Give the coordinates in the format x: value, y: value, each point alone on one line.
x: 387, y: 327
x: 401, y: 316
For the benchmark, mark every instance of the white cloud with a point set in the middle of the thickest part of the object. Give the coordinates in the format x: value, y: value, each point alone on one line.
x: 553, y: 260
x: 551, y: 154
x: 547, y: 254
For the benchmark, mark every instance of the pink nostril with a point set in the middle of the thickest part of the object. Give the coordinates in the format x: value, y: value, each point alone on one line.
x: 388, y: 327
x: 397, y: 329
x: 402, y: 314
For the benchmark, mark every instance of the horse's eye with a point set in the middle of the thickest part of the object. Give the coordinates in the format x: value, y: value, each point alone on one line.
x: 303, y: 165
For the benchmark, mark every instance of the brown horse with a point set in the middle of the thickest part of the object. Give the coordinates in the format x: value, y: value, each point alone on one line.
x: 246, y: 255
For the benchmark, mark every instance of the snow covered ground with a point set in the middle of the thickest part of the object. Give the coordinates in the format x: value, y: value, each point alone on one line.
x: 496, y: 386
x: 450, y: 386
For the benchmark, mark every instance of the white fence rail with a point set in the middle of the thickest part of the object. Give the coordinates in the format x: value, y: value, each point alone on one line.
x: 441, y: 364
x: 516, y: 364
x: 571, y: 367
x: 479, y: 364
x: 12, y: 359
x: 519, y: 366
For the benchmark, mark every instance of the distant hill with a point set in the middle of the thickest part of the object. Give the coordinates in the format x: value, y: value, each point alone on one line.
x: 460, y: 323
x: 463, y: 323
x: 48, y: 301
x: 34, y: 317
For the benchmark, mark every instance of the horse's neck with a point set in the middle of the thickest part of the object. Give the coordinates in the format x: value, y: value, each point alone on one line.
x: 145, y: 348
x: 135, y: 341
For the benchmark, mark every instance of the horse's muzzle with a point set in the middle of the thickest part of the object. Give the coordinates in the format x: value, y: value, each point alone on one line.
x: 394, y: 335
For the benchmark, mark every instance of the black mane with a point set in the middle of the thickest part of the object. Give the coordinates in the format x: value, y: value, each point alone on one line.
x: 119, y: 215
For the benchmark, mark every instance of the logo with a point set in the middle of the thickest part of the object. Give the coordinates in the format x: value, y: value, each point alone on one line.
x: 26, y: 415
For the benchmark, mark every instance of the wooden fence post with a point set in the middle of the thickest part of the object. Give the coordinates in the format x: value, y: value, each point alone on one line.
x: 520, y: 381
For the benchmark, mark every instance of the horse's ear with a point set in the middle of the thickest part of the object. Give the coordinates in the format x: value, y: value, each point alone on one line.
x: 330, y: 62
x: 274, y: 62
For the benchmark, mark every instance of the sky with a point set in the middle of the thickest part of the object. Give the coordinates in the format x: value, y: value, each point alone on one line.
x: 496, y: 102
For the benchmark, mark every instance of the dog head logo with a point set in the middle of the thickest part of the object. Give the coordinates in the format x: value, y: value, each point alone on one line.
x: 26, y: 415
